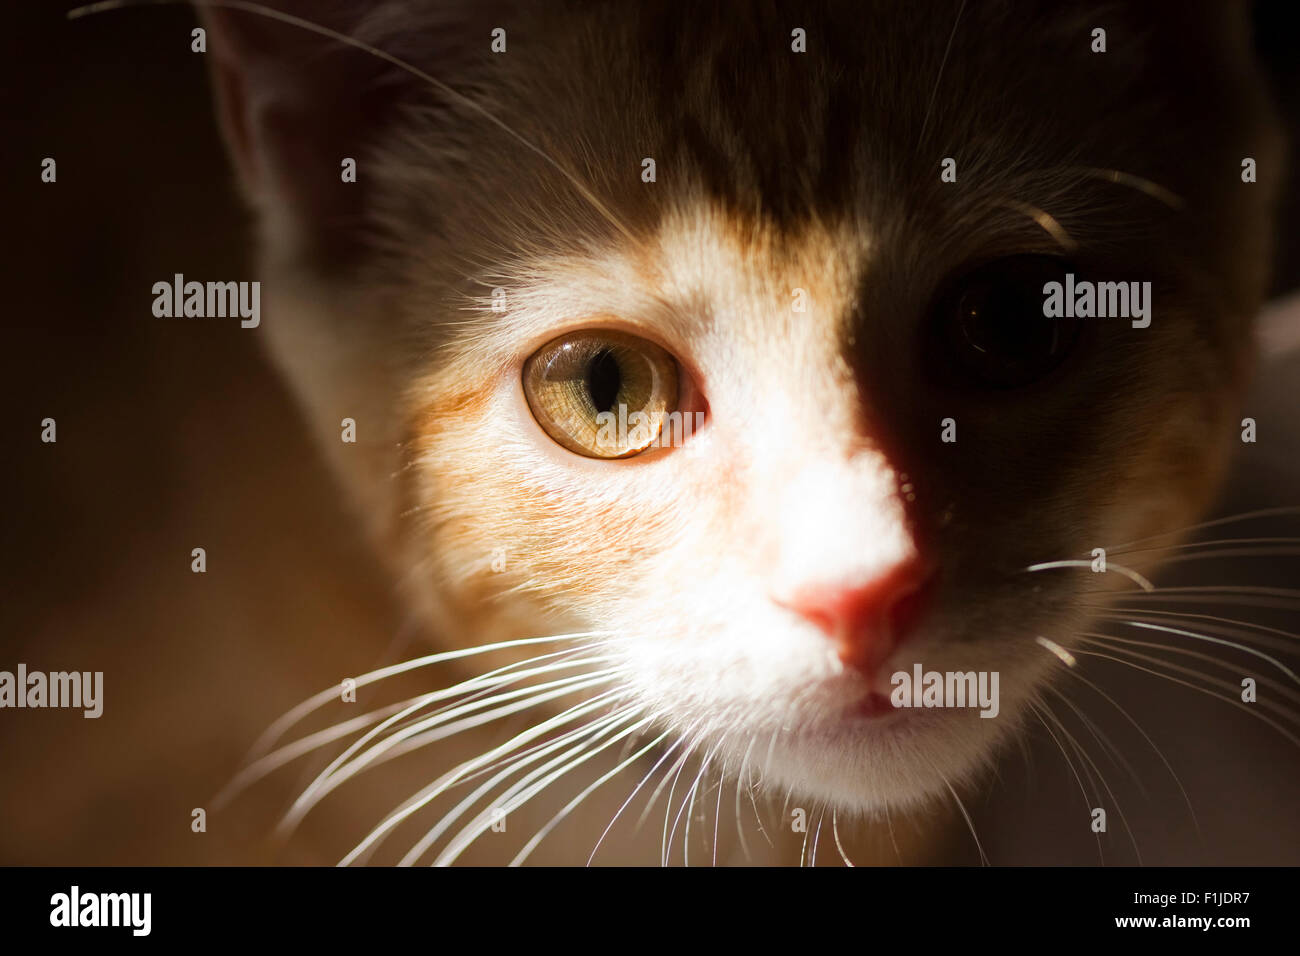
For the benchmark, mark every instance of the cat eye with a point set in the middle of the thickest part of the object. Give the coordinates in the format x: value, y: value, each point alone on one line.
x: 602, y: 393
x: 989, y: 326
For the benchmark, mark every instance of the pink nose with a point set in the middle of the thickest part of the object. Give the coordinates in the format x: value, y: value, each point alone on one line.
x: 866, y: 619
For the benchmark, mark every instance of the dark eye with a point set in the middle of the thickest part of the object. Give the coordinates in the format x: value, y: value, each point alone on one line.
x: 989, y: 328
x: 601, y: 393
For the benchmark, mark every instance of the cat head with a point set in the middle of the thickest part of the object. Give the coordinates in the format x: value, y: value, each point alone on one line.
x: 798, y: 256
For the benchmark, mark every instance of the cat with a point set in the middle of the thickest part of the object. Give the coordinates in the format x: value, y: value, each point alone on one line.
x: 821, y: 230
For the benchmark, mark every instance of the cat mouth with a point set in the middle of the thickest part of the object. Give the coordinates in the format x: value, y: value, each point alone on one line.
x: 877, y: 711
x: 875, y: 706
x: 868, y: 698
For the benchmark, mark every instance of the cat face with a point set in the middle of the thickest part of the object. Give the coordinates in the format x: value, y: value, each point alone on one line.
x: 878, y: 432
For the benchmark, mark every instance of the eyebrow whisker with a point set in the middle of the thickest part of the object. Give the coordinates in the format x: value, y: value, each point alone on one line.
x: 1143, y: 185
x: 1046, y: 220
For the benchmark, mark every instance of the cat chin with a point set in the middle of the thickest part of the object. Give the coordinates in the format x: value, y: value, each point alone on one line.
x: 869, y: 764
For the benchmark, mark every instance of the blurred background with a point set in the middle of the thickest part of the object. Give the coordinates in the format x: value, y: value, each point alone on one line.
x: 175, y: 435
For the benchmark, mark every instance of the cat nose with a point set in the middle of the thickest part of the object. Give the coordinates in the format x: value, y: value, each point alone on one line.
x: 866, y: 618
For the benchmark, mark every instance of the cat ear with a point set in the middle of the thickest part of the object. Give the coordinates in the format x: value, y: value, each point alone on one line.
x: 293, y: 106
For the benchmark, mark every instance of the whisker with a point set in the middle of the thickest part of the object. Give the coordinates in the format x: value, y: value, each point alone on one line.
x: 1169, y: 677
x: 497, y: 765
x: 523, y: 699
x: 555, y: 820
x: 1216, y: 640
x: 492, y: 684
x: 803, y: 847
x: 1262, y: 552
x: 753, y: 802
x: 746, y: 772
x: 1230, y: 626
x: 579, y: 736
x: 889, y: 824
x: 277, y: 729
x: 835, y: 831
x: 970, y: 824
x: 1087, y: 801
x: 925, y: 123
x: 433, y: 790
x: 1145, y: 186
x: 290, y: 752
x: 513, y: 759
x: 690, y: 813
x: 1087, y: 758
x: 668, y: 807
x: 1111, y: 639
x: 1065, y: 656
x: 821, y: 817
x: 717, y: 817
x: 690, y: 795
x: 1046, y: 221
x: 517, y: 796
x: 507, y: 766
x: 1230, y: 519
x: 1230, y: 589
x: 1129, y: 573
x: 278, y: 757
x: 1214, y: 600
x: 1147, y: 738
x: 1107, y: 745
x: 484, y: 683
x: 570, y: 746
x: 1218, y: 542
x: 740, y: 777
x: 632, y: 795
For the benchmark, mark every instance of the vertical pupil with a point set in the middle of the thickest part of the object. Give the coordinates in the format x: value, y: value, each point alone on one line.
x: 604, y: 379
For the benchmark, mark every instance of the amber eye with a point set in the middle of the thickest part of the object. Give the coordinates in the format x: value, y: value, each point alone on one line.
x: 989, y: 327
x: 601, y: 393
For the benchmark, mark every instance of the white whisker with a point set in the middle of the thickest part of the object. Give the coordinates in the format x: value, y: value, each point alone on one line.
x: 576, y: 740
x: 433, y: 790
x: 292, y: 717
x: 1107, y: 745
x: 1228, y: 700
x: 1147, y: 738
x: 812, y: 862
x: 1129, y: 573
x: 470, y: 833
x: 572, y: 804
x: 1087, y: 802
x: 1087, y: 758
x: 290, y: 752
x: 686, y: 838
x: 835, y: 831
x: 1066, y: 657
x: 1217, y: 640
x: 1230, y: 625
x: 471, y: 689
x: 1231, y: 519
x: 635, y: 790
x: 327, y: 782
